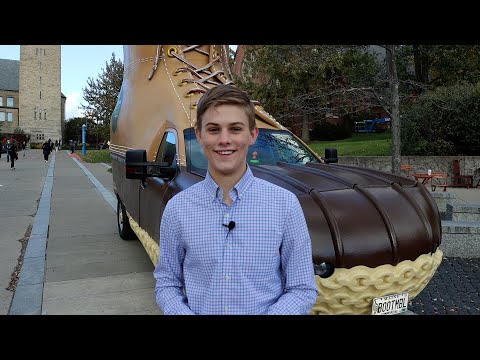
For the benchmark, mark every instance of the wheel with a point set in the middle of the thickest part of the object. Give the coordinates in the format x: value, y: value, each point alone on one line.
x: 124, y: 229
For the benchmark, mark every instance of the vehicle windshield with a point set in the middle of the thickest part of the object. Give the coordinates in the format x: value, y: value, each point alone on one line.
x: 271, y: 147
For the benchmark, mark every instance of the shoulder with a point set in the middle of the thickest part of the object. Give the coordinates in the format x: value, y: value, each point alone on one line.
x: 195, y: 188
x: 272, y: 189
x: 177, y: 205
x: 186, y: 195
x: 275, y: 195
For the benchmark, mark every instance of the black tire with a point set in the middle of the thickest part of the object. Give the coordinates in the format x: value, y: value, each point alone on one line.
x: 124, y: 229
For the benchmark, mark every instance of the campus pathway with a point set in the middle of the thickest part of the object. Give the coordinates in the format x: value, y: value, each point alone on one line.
x: 75, y: 262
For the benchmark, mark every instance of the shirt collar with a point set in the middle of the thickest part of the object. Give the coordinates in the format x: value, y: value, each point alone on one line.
x: 240, y: 188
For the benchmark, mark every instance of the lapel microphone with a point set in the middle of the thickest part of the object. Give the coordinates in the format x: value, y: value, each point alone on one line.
x: 231, y: 225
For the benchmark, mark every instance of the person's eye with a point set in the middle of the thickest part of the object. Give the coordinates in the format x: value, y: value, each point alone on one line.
x: 236, y: 129
x: 212, y: 129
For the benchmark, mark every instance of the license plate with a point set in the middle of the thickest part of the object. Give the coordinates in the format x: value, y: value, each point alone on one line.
x: 390, y: 304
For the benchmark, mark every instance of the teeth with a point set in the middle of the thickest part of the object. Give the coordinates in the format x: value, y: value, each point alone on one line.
x: 225, y: 152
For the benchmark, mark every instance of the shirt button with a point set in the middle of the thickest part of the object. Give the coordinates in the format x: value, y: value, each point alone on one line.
x: 227, y: 215
x: 227, y: 277
x: 226, y: 308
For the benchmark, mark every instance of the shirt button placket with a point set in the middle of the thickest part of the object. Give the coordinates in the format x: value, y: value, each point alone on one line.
x: 227, y: 264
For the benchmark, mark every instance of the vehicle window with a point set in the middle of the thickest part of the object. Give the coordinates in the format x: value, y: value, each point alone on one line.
x: 271, y: 147
x: 196, y: 159
x: 167, y: 151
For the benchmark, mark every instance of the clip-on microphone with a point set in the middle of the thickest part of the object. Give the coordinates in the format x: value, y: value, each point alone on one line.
x: 231, y: 225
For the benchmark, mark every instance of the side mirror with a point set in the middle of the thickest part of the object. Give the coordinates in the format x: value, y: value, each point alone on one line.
x: 137, y: 166
x: 331, y: 155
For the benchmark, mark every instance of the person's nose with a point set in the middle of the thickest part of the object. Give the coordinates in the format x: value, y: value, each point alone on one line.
x: 224, y: 137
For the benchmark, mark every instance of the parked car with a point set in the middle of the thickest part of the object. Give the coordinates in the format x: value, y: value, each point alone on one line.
x: 375, y: 236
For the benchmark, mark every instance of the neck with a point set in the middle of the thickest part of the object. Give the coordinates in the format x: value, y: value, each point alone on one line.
x: 227, y: 182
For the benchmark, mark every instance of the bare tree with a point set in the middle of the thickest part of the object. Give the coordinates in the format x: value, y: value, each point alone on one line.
x: 394, y: 101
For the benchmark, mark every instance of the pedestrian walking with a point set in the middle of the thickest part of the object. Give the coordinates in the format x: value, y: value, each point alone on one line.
x: 56, y: 145
x: 12, y: 153
x: 46, y: 150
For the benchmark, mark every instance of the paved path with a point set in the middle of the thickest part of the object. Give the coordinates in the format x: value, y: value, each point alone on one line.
x: 75, y: 262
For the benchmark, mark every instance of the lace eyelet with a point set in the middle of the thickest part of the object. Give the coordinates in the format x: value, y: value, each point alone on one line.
x: 170, y: 50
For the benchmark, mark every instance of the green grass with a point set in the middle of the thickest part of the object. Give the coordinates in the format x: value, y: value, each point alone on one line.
x: 96, y: 156
x: 360, y: 144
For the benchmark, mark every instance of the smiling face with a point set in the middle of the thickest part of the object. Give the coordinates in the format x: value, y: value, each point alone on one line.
x: 225, y: 137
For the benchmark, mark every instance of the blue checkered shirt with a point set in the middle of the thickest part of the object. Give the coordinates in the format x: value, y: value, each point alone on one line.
x: 261, y: 266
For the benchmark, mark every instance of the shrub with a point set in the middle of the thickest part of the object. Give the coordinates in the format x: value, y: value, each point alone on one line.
x: 36, y: 145
x: 443, y: 122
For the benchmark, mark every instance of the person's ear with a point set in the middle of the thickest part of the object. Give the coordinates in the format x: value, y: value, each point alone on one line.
x: 253, y: 135
x: 198, y: 135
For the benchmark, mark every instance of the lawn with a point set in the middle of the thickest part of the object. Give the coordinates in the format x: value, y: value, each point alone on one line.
x: 96, y: 156
x: 360, y: 144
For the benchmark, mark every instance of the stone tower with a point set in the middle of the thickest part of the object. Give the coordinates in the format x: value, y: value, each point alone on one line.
x: 40, y: 110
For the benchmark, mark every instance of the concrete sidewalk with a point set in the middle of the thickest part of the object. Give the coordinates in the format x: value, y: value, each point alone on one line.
x: 20, y: 192
x: 75, y: 262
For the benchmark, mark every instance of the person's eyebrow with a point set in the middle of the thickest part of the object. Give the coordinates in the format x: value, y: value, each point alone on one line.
x: 236, y: 123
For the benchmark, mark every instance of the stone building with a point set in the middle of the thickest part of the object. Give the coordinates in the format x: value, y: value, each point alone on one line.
x: 30, y: 93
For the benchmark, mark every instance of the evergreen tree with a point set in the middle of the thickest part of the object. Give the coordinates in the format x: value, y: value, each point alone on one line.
x: 101, y: 94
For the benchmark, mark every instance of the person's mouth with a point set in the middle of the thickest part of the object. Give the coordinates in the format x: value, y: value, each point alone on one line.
x: 225, y: 152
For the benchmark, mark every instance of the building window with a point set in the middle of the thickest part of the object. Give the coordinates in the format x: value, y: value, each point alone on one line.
x: 9, y: 101
x: 45, y: 110
x: 2, y: 116
x: 40, y: 114
x: 9, y: 116
x: 1, y: 101
x: 35, y: 114
x: 40, y: 94
x: 40, y: 136
x: 40, y: 80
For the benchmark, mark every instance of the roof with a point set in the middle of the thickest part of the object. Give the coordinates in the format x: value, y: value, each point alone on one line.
x: 10, y: 75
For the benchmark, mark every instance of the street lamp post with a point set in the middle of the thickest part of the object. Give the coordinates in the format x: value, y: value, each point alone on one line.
x: 97, y: 134
x: 84, y: 140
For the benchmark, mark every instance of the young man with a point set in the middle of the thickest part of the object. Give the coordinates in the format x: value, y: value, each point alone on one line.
x: 233, y: 243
